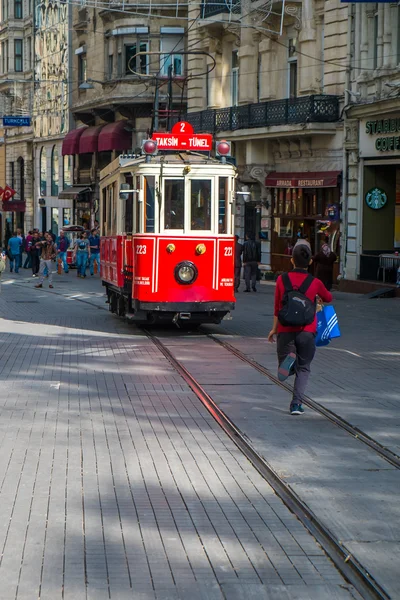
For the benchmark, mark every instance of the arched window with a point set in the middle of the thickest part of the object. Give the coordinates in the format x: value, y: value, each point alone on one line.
x: 43, y: 172
x: 54, y: 171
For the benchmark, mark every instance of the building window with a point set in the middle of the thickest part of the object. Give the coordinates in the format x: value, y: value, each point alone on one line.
x: 67, y: 179
x: 82, y: 66
x: 18, y: 9
x: 66, y: 217
x: 171, y: 46
x: 292, y: 68
x: 18, y: 56
x: 110, y: 66
x: 235, y: 78
x: 21, y: 178
x: 54, y: 171
x: 135, y: 62
x: 12, y: 174
x: 43, y: 172
x: 54, y: 221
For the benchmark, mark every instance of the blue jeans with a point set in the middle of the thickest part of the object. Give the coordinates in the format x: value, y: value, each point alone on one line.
x: 81, y: 262
x: 63, y: 256
x: 14, y: 262
x: 95, y: 256
x: 28, y: 261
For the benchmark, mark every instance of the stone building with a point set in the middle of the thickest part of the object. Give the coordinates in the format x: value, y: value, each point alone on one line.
x: 16, y: 98
x: 372, y: 144
x: 119, y: 58
x: 274, y: 89
x: 51, y: 114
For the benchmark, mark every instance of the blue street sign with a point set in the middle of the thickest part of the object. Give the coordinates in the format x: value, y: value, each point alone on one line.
x: 16, y: 121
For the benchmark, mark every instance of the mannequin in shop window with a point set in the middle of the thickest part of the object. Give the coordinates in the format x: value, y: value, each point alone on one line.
x: 324, y: 261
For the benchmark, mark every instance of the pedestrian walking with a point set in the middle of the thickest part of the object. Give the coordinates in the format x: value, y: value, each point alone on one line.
x: 251, y: 260
x: 94, y: 243
x: 14, y: 249
x: 238, y: 262
x: 82, y: 254
x: 324, y: 261
x: 48, y: 254
x: 35, y: 253
x: 28, y: 244
x: 20, y: 234
x: 63, y: 243
x: 295, y: 323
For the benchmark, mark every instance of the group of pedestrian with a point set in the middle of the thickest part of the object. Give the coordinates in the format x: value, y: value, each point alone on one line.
x: 43, y: 248
x: 251, y: 253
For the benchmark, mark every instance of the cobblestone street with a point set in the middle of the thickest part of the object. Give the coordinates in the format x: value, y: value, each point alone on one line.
x: 115, y: 481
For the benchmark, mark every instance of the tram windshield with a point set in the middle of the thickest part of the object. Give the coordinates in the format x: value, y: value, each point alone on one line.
x: 200, y: 204
x: 174, y: 204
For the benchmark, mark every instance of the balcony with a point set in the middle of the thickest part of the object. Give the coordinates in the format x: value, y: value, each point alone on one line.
x: 290, y: 111
x: 210, y: 8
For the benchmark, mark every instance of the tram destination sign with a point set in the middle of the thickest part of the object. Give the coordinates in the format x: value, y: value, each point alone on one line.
x: 182, y: 137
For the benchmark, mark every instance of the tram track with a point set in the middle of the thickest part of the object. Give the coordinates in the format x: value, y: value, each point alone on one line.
x: 350, y: 568
x: 337, y: 420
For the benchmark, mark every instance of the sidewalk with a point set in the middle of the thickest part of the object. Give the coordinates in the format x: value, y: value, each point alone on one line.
x: 114, y: 481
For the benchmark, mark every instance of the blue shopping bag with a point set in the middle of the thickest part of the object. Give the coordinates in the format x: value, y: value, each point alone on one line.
x: 327, y: 326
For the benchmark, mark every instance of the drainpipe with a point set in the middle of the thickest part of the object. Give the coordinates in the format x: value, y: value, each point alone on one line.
x: 345, y: 184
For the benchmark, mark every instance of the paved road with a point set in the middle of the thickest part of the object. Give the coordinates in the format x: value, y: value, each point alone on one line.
x: 115, y: 482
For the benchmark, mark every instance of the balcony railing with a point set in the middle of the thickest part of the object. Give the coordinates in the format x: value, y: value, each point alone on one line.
x: 209, y: 8
x: 306, y: 109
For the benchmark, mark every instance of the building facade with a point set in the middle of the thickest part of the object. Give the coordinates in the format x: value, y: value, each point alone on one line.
x: 121, y: 62
x: 274, y: 89
x: 16, y: 99
x: 372, y: 141
x: 51, y: 114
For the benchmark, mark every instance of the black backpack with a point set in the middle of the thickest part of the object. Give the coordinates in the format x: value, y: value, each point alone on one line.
x: 297, y: 310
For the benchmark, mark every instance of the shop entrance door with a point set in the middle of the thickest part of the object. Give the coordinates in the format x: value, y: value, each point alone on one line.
x: 252, y: 221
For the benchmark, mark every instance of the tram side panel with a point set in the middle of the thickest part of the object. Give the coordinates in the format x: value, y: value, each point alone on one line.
x: 112, y: 250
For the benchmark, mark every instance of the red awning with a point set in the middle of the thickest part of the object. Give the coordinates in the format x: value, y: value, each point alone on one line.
x: 71, y: 141
x: 311, y: 179
x: 89, y: 139
x: 115, y: 136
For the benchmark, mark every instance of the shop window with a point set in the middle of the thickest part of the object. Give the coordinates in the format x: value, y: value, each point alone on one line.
x: 149, y: 205
x: 54, y: 221
x: 171, y: 47
x: 18, y: 56
x: 18, y: 9
x: 200, y: 204
x: 174, y: 203
x: 43, y: 172
x: 54, y: 171
x: 222, y: 204
x: 67, y: 171
x: 134, y: 61
x: 66, y: 217
x: 235, y: 79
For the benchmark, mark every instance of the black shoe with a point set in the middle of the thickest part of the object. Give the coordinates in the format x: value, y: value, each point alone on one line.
x: 247, y: 290
x: 254, y: 290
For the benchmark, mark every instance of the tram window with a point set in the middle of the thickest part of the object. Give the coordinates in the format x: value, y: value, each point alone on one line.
x: 222, y: 203
x: 149, y: 206
x: 104, y: 215
x: 200, y: 204
x: 174, y: 203
x: 129, y: 206
x: 138, y: 223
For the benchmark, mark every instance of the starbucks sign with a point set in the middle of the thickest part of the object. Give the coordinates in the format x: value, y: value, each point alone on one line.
x: 380, y: 137
x: 376, y: 198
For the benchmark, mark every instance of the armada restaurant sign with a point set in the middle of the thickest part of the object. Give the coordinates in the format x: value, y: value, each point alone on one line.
x: 380, y: 137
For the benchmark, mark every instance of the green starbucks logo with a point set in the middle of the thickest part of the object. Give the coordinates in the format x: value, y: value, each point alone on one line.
x: 376, y: 198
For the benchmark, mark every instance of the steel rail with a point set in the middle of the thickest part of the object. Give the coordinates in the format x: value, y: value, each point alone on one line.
x: 358, y: 434
x: 345, y: 562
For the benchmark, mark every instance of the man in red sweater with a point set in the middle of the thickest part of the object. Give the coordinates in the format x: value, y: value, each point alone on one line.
x: 296, y: 345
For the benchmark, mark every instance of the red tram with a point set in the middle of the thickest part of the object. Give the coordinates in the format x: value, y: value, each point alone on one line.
x: 167, y: 249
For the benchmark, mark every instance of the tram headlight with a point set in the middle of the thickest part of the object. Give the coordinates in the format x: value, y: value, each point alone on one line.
x: 185, y: 272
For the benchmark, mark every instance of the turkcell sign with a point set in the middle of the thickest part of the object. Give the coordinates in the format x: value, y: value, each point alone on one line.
x: 183, y: 141
x: 16, y: 121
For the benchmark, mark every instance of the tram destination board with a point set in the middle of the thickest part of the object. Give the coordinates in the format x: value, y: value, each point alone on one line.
x: 182, y: 137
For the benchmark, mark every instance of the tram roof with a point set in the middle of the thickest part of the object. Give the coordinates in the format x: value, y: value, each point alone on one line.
x: 170, y: 158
